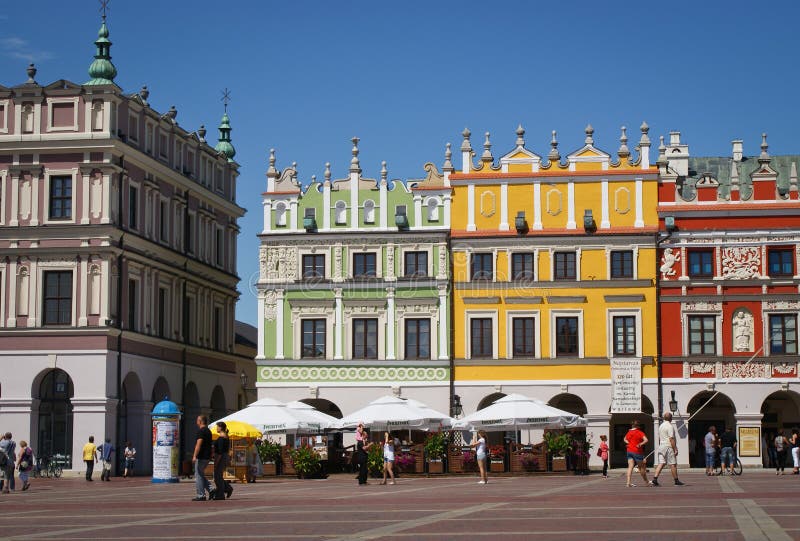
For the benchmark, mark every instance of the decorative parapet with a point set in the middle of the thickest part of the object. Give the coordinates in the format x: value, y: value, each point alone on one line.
x: 758, y: 369
x: 353, y: 373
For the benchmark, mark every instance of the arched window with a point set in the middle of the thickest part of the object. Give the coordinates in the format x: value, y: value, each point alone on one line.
x: 280, y: 215
x: 369, y: 211
x: 341, y: 213
x: 433, y: 209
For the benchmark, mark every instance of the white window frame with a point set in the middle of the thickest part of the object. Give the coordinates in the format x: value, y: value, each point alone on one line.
x: 163, y: 150
x: 432, y: 314
x: 537, y: 331
x: 135, y: 276
x: 717, y: 334
x: 138, y: 188
x: 581, y: 334
x: 3, y: 192
x: 163, y: 204
x: 324, y: 251
x: 635, y: 261
x: 353, y: 250
x: 48, y: 174
x: 42, y: 268
x: 765, y: 324
x: 577, y: 252
x: 611, y: 313
x: 380, y: 315
x: 168, y: 312
x: 133, y: 135
x: 194, y: 244
x: 469, y: 315
x: 4, y: 126
x: 427, y: 249
x: 149, y: 143
x: 51, y: 102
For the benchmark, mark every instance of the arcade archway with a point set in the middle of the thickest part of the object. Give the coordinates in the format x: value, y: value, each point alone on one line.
x: 713, y: 409
x: 55, y: 392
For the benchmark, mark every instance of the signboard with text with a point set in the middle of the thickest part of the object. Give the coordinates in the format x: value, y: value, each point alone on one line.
x: 749, y: 441
x: 626, y: 385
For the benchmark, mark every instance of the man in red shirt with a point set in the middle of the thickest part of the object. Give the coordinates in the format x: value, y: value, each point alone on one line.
x: 635, y: 440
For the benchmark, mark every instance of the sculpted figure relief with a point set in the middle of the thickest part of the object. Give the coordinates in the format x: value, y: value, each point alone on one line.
x: 668, y: 260
x: 742, y: 331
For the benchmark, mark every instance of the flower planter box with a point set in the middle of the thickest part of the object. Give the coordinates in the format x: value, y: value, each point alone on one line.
x: 435, y: 466
x: 497, y: 466
x: 269, y: 468
x: 559, y: 463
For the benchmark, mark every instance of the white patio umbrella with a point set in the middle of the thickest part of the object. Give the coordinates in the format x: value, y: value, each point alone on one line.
x: 516, y: 411
x: 317, y: 416
x: 391, y: 412
x: 272, y: 416
x: 444, y: 420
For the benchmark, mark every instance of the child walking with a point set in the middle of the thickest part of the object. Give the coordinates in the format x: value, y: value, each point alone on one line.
x: 602, y: 452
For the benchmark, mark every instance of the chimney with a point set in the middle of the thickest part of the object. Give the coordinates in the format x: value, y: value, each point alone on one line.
x: 737, y: 150
x: 674, y: 138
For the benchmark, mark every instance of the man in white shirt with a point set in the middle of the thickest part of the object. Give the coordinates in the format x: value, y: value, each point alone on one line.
x: 667, y: 450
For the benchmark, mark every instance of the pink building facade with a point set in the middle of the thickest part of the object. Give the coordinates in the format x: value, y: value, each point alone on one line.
x: 118, y: 233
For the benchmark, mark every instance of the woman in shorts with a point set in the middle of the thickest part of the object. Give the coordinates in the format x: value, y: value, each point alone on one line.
x: 635, y: 440
x: 480, y: 456
x: 388, y: 458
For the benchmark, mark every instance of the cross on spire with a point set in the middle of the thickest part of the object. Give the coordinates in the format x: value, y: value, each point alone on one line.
x: 104, y: 8
x: 226, y: 97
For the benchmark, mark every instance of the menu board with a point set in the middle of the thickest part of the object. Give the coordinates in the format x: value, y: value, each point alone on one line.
x: 749, y: 441
x: 626, y: 385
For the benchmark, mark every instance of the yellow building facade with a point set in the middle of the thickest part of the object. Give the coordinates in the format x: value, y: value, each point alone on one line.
x: 554, y: 267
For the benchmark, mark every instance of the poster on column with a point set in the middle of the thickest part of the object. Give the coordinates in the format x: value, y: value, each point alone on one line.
x: 165, y: 449
x: 626, y: 385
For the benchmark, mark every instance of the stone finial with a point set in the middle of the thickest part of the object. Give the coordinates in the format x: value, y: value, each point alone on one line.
x: 520, y: 136
x: 662, y: 153
x: 793, y: 177
x: 384, y: 172
x: 487, y: 150
x: 201, y: 133
x: 764, y: 156
x: 272, y: 172
x: 466, y: 146
x: 448, y: 163
x: 589, y: 132
x: 327, y: 173
x: 645, y: 129
x: 144, y: 93
x: 31, y: 71
x: 554, y: 156
x: 313, y: 179
x: 623, y: 151
x: 172, y: 113
x: 355, y: 166
x: 734, y: 176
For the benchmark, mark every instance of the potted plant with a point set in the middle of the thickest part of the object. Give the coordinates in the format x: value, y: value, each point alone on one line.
x: 581, y: 450
x: 435, y: 448
x: 497, y: 455
x: 469, y: 461
x: 375, y: 460
x: 558, y: 445
x: 270, y: 453
x: 529, y: 462
x: 405, y: 462
x: 306, y: 462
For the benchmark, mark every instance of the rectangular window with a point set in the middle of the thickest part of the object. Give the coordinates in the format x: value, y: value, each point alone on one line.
x: 566, y: 336
x: 364, y: 265
x: 781, y: 262
x: 624, y: 335
x: 188, y: 234
x: 783, y: 334
x: 219, y: 248
x: 564, y: 265
x: 57, y: 298
x: 522, y: 267
x: 313, y: 266
x: 418, y: 338
x: 162, y: 312
x: 622, y: 264
x: 523, y: 337
x: 133, y: 305
x: 163, y: 151
x: 60, y: 198
x: 702, y: 335
x: 163, y: 221
x: 365, y: 338
x: 416, y: 264
x: 701, y: 263
x: 481, y: 339
x: 482, y: 267
x: 313, y: 339
x: 133, y: 129
x: 133, y: 207
x: 217, y: 324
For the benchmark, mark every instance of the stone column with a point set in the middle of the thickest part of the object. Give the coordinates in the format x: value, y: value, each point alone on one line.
x: 752, y: 420
x: 443, y: 335
x: 338, y: 325
x: 390, y: 324
x: 260, y: 324
x: 279, y: 324
x: 91, y: 417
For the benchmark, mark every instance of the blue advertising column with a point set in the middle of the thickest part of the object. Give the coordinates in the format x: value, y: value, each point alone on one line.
x: 166, y: 444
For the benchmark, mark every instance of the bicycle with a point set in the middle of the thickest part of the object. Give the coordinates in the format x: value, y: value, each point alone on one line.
x: 737, y: 465
x: 49, y: 467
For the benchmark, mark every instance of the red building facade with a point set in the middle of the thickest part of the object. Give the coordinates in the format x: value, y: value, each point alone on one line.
x: 728, y: 294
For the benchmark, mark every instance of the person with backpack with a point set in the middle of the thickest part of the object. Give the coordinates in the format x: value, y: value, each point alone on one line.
x: 106, y: 451
x: 8, y: 448
x: 25, y: 464
x: 781, y: 448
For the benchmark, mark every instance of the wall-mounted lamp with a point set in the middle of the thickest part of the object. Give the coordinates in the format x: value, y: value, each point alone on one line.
x: 669, y: 223
x: 520, y: 224
x: 455, y: 406
x: 673, y: 404
x: 588, y: 221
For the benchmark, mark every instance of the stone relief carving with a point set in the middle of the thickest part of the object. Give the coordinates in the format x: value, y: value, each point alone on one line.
x: 270, y: 304
x: 702, y: 306
x: 781, y: 305
x: 290, y: 260
x: 442, y: 262
x: 668, y: 260
x: 742, y: 331
x: 749, y: 371
x: 785, y: 368
x: 703, y: 368
x: 488, y: 204
x: 622, y: 200
x: 262, y: 263
x: 390, y: 261
x: 741, y: 262
x: 337, y: 263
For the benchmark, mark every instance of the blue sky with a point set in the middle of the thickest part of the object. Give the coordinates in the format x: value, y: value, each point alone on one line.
x: 406, y: 77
